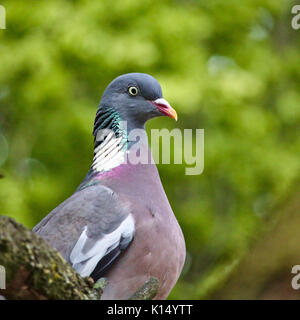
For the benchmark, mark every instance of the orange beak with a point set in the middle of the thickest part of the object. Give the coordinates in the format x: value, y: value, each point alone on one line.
x: 164, y: 107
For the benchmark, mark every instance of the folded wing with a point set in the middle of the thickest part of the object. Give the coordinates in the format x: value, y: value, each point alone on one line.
x: 90, y: 229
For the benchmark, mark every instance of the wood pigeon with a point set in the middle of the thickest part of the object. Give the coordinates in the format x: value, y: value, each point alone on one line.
x: 119, y: 224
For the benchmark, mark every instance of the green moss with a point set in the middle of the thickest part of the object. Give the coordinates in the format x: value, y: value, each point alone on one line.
x: 24, y: 254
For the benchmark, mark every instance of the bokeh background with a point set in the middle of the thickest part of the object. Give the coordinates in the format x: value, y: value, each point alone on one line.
x: 230, y: 67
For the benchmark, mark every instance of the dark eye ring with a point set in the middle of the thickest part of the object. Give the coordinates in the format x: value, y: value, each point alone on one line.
x: 133, y: 91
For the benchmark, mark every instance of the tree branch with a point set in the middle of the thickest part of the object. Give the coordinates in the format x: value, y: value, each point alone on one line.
x: 147, y: 291
x: 34, y: 270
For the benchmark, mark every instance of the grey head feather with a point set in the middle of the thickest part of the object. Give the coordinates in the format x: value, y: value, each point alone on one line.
x: 136, y: 110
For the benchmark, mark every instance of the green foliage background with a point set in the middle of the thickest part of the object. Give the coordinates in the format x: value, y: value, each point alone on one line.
x: 229, y: 67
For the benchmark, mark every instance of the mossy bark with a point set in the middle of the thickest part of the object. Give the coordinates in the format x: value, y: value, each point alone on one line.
x: 147, y: 291
x: 36, y: 271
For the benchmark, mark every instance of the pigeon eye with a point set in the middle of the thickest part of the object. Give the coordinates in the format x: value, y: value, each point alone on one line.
x: 133, y: 91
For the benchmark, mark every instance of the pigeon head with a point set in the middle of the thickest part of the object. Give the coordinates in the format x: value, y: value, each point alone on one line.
x: 135, y: 98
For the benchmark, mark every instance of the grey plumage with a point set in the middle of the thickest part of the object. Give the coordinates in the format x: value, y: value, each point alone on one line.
x: 99, y: 210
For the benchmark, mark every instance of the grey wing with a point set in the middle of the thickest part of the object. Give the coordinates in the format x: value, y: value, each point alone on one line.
x: 90, y: 229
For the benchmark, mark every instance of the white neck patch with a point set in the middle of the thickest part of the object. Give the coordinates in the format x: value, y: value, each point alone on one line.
x: 110, y: 153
